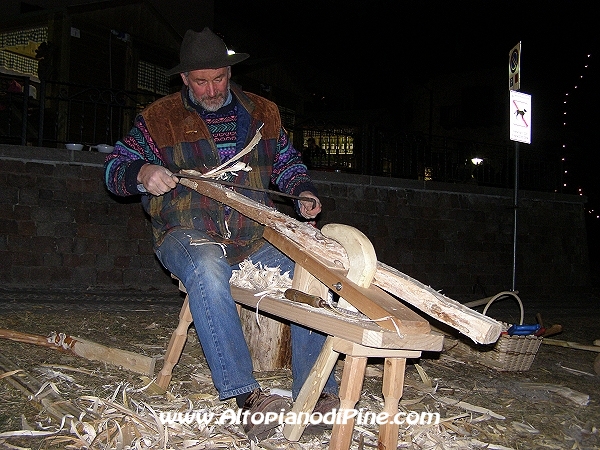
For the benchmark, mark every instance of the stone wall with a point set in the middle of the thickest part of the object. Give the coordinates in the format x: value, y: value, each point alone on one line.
x: 59, y: 227
x: 458, y: 239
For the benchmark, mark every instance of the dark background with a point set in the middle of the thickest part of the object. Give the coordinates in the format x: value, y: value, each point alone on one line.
x: 381, y: 47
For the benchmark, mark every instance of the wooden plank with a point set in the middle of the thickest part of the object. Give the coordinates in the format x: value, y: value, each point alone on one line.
x: 354, y: 349
x: 372, y: 301
x: 476, y: 326
x: 128, y: 360
x: 354, y: 329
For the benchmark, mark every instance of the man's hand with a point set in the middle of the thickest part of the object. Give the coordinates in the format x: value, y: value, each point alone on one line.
x: 306, y: 208
x: 157, y: 180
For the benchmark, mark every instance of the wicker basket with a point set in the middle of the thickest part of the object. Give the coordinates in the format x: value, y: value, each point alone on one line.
x: 509, y: 353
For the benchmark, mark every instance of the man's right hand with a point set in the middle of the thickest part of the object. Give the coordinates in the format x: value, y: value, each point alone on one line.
x: 157, y: 180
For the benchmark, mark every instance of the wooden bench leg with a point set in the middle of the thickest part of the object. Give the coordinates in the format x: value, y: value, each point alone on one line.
x: 350, y: 388
x: 311, y: 389
x: 176, y: 344
x: 393, y: 385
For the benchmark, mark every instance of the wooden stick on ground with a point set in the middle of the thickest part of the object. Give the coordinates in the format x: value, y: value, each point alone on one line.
x: 569, y: 344
x: 86, y: 349
x: 51, y: 402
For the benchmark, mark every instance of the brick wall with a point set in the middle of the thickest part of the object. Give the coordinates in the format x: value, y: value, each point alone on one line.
x: 59, y: 227
x: 459, y: 238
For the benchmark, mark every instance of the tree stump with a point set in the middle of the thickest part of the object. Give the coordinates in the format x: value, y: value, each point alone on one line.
x: 269, y: 340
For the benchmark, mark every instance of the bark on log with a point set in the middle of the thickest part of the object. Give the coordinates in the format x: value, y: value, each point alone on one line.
x: 476, y: 326
x: 268, y: 341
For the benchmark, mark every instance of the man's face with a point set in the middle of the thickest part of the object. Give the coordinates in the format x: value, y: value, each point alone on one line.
x: 209, y: 88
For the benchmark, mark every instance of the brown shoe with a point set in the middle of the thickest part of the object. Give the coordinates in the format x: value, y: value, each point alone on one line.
x: 326, y: 403
x: 256, y: 406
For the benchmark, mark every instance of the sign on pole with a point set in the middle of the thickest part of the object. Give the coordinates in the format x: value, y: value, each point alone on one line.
x: 520, y: 117
x: 514, y: 68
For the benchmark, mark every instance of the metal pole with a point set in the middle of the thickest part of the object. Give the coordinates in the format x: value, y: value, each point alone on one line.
x: 25, y: 111
x: 42, y: 106
x: 515, y: 206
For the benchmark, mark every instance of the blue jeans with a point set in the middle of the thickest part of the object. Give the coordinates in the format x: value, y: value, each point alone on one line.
x: 201, y: 265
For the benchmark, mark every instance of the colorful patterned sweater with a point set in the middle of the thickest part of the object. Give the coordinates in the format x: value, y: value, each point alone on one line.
x: 172, y: 133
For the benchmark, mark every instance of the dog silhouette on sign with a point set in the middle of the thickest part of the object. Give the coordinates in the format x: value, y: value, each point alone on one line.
x: 521, y: 113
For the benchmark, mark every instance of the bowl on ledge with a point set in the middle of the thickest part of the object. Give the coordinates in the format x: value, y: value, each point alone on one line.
x: 74, y: 146
x: 104, y: 148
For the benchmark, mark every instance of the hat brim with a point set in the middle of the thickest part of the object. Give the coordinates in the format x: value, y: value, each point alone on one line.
x: 230, y: 60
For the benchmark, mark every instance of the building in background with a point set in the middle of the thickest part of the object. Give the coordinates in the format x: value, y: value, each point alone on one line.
x: 88, y: 68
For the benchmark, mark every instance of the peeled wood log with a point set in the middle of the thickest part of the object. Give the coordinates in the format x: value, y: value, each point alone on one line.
x: 476, y: 326
x: 90, y: 350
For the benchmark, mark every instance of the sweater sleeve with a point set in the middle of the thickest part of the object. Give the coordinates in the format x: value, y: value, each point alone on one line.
x: 290, y: 174
x: 122, y: 166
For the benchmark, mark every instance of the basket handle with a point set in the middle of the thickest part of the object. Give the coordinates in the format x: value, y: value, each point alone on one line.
x: 503, y: 294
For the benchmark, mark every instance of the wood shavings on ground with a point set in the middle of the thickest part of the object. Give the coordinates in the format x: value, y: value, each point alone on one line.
x: 578, y: 398
x: 129, y: 419
x: 123, y: 412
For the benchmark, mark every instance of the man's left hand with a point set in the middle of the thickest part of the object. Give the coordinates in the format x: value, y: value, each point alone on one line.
x: 306, y: 208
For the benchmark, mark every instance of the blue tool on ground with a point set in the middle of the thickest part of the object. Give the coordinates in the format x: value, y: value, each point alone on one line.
x: 523, y: 330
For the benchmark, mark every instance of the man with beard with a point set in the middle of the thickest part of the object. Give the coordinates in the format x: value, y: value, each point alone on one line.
x: 200, y: 240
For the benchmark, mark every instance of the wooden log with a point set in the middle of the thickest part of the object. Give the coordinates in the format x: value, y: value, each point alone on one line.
x: 478, y: 327
x: 570, y: 344
x: 268, y: 340
x: 86, y: 349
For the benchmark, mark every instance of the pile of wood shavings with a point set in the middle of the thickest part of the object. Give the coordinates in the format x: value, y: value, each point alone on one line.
x: 128, y: 418
x: 266, y: 280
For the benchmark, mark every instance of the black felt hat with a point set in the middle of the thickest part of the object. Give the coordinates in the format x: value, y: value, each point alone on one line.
x: 204, y: 50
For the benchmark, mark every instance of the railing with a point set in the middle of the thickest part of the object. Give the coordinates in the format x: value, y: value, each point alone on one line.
x: 59, y: 113
x: 437, y: 158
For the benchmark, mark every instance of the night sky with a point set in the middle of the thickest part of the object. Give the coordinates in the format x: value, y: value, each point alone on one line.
x: 376, y: 40
x: 376, y: 43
